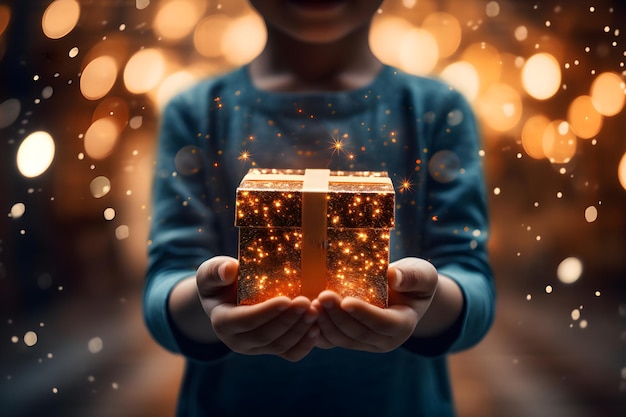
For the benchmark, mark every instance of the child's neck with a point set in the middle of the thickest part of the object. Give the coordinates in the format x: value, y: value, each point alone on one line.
x: 289, y: 65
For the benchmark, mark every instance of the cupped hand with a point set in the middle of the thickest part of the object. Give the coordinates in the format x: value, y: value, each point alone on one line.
x: 278, y: 326
x: 355, y: 324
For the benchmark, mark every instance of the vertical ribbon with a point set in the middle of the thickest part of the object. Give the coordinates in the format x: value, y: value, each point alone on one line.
x: 314, y: 225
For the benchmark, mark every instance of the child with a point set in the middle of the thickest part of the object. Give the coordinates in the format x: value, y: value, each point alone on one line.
x: 317, y: 97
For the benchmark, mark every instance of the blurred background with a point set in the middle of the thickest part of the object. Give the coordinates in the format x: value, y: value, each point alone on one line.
x: 82, y: 85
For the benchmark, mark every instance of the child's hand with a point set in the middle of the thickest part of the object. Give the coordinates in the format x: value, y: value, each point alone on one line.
x: 355, y: 324
x: 279, y: 326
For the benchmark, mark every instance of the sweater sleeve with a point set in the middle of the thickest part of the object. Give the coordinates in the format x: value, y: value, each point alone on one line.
x: 181, y: 234
x: 456, y: 225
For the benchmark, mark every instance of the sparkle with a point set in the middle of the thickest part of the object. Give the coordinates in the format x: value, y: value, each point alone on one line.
x: 244, y: 155
x: 406, y: 185
x: 337, y: 145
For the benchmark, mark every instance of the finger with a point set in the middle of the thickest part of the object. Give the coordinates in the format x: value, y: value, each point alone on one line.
x: 292, y: 342
x: 413, y: 275
x: 340, y: 329
x: 230, y: 319
x: 282, y: 333
x: 304, y: 346
x: 322, y: 342
x: 385, y: 322
x: 216, y: 273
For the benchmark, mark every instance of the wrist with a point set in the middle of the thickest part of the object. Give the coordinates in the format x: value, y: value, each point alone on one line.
x: 187, y: 314
x: 444, y: 310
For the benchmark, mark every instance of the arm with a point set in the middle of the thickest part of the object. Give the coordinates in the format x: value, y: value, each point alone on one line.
x: 446, y: 304
x: 189, y: 294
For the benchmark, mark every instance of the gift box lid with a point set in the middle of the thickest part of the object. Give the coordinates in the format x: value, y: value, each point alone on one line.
x: 350, y: 199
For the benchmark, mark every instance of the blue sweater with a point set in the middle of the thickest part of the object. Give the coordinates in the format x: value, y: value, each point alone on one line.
x: 422, y: 132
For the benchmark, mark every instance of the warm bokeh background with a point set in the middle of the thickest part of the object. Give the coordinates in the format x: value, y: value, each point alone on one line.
x: 82, y: 83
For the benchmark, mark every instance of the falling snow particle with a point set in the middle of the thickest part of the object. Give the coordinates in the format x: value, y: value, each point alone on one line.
x: 493, y: 9
x: 529, y: 297
x: 109, y: 213
x: 575, y: 314
x: 17, y: 210
x: 591, y: 214
x: 30, y: 338
x: 47, y: 92
x: 95, y: 345
x: 548, y: 289
x: 142, y: 4
x: 122, y: 232
x: 569, y: 270
x: 135, y: 122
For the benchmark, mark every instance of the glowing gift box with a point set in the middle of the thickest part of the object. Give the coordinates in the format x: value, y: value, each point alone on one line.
x: 304, y: 231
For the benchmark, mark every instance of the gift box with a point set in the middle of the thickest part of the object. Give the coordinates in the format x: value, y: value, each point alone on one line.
x: 304, y: 231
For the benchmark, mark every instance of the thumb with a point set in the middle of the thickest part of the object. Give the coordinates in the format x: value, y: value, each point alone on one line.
x: 215, y: 273
x: 413, y: 275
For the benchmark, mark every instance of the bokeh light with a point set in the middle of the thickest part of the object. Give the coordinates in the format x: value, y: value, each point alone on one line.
x: 464, y: 77
x: 177, y: 18
x: 446, y: 31
x: 60, y: 18
x: 17, y: 210
x: 173, y: 84
x: 243, y: 39
x: 100, y: 138
x: 95, y: 345
x: 9, y: 112
x: 532, y: 136
x: 492, y: 9
x: 114, y: 108
x: 541, y: 76
x: 583, y: 117
x: 35, y: 154
x: 384, y: 36
x: 421, y: 63
x: 98, y: 77
x: 444, y: 166
x: 487, y: 62
x: 100, y: 186
x: 30, y: 338
x: 608, y: 93
x: 569, y: 270
x: 144, y: 70
x: 208, y: 34
x: 5, y: 18
x: 500, y: 106
x: 559, y: 142
x: 109, y: 213
x: 621, y: 171
x: 591, y: 214
x: 521, y: 33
